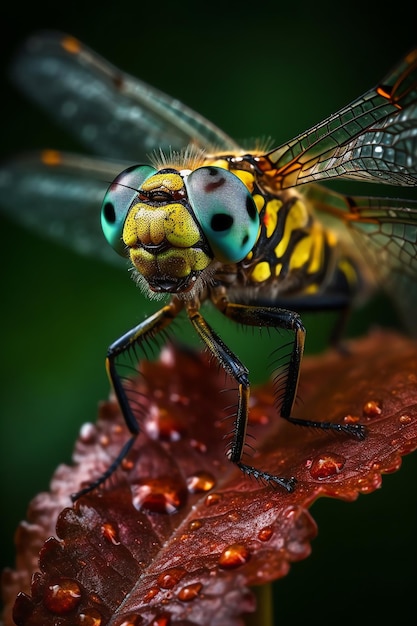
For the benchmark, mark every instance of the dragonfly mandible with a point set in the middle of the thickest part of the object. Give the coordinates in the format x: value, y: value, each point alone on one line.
x: 200, y: 219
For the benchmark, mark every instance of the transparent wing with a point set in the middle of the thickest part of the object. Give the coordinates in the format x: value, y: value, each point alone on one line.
x: 372, y: 139
x: 59, y: 196
x: 385, y: 232
x: 112, y: 113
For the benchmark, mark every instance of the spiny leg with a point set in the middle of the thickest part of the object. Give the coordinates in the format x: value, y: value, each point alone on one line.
x: 264, y: 316
x: 147, y: 329
x: 233, y: 366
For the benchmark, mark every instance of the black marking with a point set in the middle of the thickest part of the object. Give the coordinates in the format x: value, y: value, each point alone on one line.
x: 245, y: 239
x: 221, y: 222
x: 167, y: 170
x: 251, y: 208
x: 109, y: 212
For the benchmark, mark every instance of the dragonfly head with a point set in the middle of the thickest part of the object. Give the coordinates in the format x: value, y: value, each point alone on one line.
x: 176, y: 226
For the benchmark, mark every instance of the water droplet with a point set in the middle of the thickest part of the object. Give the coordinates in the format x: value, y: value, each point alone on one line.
x: 159, y: 495
x: 177, y: 398
x: 127, y: 465
x: 153, y: 591
x: 190, y: 592
x: 198, y: 445
x: 372, y: 408
x: 62, y: 597
x: 327, y: 465
x: 163, y: 426
x: 234, y: 556
x: 87, y: 433
x: 110, y: 533
x: 405, y: 419
x: 171, y: 577
x: 161, y: 620
x: 212, y: 498
x: 167, y: 357
x: 351, y: 419
x: 200, y: 482
x: 265, y: 534
x: 89, y: 617
x: 258, y: 416
x: 104, y: 441
x: 195, y: 524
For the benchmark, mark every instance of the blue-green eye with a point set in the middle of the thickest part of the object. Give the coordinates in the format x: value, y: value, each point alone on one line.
x: 118, y: 200
x: 225, y: 211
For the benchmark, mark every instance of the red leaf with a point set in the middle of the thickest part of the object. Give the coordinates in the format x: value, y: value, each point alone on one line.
x: 179, y: 533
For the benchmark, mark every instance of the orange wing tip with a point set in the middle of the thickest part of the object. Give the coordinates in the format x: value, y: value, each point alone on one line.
x: 71, y: 45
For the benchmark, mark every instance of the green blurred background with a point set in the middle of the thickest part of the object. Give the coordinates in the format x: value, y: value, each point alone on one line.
x: 273, y: 69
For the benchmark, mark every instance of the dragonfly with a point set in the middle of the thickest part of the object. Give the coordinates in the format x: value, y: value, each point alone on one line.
x: 200, y: 219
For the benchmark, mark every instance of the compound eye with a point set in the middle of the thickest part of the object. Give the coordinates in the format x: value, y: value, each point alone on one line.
x: 118, y: 200
x: 225, y: 210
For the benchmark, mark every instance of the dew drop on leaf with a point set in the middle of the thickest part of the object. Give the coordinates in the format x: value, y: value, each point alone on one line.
x: 327, y: 465
x: 161, y: 620
x: 195, y: 524
x: 405, y: 419
x: 153, y: 591
x: 87, y: 433
x: 89, y: 617
x: 233, y: 556
x: 212, y: 498
x: 104, y: 441
x: 171, y: 577
x: 200, y: 446
x: 351, y: 419
x: 372, y: 409
x: 163, y: 426
x: 200, y: 482
x: 177, y: 398
x: 190, y: 592
x: 110, y: 533
x: 62, y: 597
x: 127, y: 465
x: 265, y: 534
x: 159, y: 495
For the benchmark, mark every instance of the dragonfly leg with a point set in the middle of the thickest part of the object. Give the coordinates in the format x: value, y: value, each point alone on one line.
x: 275, y: 317
x: 235, y: 368
x: 147, y: 329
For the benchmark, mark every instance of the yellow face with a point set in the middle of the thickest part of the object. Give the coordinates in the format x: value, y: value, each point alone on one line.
x: 164, y: 241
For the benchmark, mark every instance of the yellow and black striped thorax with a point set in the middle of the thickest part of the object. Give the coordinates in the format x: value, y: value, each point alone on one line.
x: 294, y: 253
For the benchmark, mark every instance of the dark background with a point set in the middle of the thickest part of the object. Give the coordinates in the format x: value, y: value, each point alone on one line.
x: 255, y: 69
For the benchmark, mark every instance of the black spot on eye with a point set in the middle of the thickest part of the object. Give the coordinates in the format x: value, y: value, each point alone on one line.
x: 109, y: 212
x: 251, y: 207
x: 245, y: 240
x: 221, y: 222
